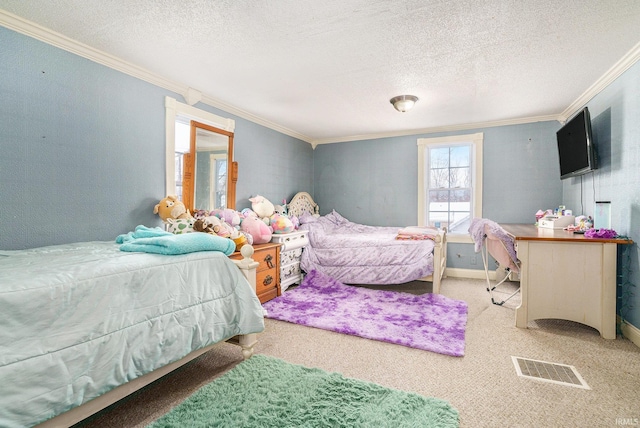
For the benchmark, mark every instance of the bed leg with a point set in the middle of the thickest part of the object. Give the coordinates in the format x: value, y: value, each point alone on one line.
x: 248, y: 268
x: 247, y: 342
x: 439, y: 259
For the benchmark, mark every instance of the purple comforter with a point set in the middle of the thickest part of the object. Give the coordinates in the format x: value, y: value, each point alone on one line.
x: 354, y: 253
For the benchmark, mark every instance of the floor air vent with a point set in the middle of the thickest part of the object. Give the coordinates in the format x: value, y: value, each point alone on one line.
x: 549, y: 372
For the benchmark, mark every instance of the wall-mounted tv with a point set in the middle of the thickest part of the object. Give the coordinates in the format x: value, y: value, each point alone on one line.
x: 575, y: 146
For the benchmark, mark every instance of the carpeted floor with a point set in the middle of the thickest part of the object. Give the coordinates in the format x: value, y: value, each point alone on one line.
x: 290, y: 395
x: 482, y: 385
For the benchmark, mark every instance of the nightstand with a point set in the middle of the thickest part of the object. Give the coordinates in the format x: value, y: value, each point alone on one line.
x: 290, y: 254
x: 268, y: 272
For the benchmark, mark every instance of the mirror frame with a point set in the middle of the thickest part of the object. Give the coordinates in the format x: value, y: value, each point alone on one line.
x: 188, y: 179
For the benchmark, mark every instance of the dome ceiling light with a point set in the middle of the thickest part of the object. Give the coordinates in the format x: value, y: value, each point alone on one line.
x: 403, y: 103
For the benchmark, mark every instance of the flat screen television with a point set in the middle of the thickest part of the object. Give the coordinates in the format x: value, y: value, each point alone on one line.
x: 575, y: 146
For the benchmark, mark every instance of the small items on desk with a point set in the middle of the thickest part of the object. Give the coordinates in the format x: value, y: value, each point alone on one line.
x: 555, y: 222
x: 581, y: 225
x: 562, y: 218
x: 555, y: 219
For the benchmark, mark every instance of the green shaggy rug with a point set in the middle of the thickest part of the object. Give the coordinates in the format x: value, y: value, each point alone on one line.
x: 267, y: 392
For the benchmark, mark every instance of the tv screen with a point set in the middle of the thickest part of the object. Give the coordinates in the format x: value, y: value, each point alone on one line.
x: 575, y: 146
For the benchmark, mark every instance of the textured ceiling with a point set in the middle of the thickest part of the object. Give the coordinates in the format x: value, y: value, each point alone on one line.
x: 325, y: 70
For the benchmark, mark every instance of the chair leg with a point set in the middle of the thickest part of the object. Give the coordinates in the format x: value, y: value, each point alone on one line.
x: 505, y: 300
x: 490, y: 288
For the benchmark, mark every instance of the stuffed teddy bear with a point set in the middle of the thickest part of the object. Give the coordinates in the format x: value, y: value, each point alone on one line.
x: 214, y: 226
x: 171, y: 207
x: 202, y: 225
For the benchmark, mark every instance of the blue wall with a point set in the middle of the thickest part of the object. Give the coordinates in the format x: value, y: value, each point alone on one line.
x: 83, y: 146
x: 615, y: 114
x: 375, y: 181
x: 83, y: 149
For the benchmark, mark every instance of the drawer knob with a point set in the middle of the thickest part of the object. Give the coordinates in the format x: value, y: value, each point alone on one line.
x: 269, y: 260
x: 268, y: 280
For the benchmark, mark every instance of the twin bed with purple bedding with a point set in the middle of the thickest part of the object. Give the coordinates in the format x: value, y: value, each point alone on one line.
x: 354, y: 253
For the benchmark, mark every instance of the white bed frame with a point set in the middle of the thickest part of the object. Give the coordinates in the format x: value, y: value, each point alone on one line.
x: 247, y: 341
x: 302, y: 203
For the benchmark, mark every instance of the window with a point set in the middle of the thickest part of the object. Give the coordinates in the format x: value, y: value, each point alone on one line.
x: 450, y: 181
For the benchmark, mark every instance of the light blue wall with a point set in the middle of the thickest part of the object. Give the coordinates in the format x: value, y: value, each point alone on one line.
x: 615, y: 117
x: 271, y: 164
x: 83, y: 149
x: 375, y: 181
x: 82, y: 158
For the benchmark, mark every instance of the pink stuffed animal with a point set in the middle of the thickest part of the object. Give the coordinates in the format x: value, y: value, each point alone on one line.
x: 257, y: 229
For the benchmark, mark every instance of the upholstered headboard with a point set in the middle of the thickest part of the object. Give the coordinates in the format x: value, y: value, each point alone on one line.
x: 302, y: 203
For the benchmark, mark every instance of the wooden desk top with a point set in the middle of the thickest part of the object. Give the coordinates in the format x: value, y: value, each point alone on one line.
x: 530, y: 232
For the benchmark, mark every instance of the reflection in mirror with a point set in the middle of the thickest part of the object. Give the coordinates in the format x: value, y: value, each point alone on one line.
x: 206, y: 180
x: 210, y: 175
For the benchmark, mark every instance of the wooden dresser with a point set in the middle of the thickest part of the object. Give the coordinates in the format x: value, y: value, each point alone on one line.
x: 268, y: 273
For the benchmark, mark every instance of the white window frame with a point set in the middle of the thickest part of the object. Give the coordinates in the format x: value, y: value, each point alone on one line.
x: 476, y: 141
x: 173, y: 110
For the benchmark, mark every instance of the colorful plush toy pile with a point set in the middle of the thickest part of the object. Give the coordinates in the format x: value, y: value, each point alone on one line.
x: 253, y: 226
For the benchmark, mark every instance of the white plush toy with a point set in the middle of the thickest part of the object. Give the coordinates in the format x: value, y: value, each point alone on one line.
x: 262, y: 207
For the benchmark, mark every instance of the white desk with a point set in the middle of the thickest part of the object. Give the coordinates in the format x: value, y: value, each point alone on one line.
x: 566, y: 276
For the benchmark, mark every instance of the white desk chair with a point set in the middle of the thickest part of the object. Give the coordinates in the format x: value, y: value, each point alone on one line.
x: 490, y: 238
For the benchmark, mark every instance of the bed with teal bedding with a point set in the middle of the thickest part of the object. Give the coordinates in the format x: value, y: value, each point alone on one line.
x: 79, y: 320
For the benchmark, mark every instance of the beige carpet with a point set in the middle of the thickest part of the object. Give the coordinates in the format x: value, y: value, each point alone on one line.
x: 482, y: 385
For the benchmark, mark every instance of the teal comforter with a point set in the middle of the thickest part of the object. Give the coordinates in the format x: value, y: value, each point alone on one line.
x: 80, y: 319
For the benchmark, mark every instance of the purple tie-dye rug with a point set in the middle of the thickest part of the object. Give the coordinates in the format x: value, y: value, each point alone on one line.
x: 431, y: 322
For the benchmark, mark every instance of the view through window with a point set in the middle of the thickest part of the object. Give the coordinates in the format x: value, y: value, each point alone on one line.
x: 450, y: 182
x: 449, y: 194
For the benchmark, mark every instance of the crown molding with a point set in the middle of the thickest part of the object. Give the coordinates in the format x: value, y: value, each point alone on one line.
x: 213, y: 102
x: 461, y: 127
x: 31, y: 29
x: 612, y: 74
x: 28, y: 28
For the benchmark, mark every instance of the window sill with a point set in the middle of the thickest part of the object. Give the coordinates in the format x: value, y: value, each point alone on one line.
x: 463, y: 238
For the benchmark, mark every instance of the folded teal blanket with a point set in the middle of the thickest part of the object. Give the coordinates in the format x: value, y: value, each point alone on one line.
x: 142, y: 232
x: 170, y: 244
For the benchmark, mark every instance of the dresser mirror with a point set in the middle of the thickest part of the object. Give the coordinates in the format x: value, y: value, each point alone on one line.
x: 210, y: 175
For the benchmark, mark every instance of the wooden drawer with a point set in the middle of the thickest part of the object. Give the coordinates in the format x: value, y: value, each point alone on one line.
x: 265, y: 281
x: 268, y: 271
x: 266, y: 257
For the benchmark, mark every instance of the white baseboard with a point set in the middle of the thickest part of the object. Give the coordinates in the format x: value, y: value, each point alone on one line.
x: 468, y: 273
x: 630, y: 331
